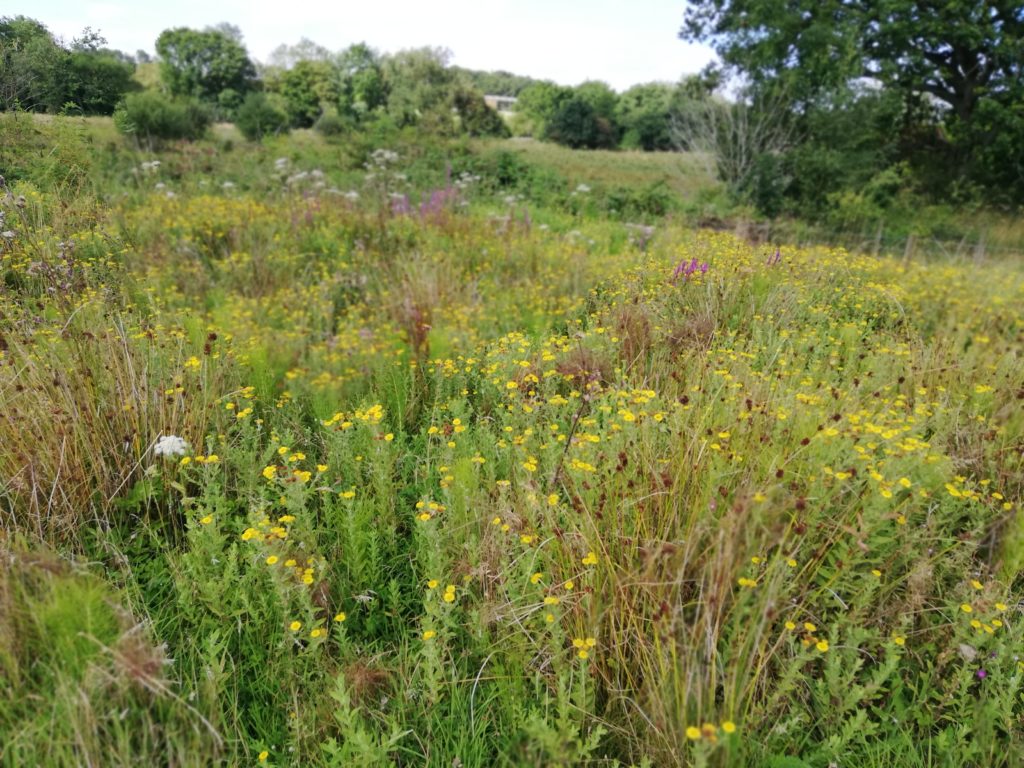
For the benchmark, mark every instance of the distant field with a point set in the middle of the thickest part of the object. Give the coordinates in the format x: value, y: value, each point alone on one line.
x: 684, y: 174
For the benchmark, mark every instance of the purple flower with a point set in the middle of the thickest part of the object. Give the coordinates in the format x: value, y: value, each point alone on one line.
x: 684, y: 269
x: 981, y: 673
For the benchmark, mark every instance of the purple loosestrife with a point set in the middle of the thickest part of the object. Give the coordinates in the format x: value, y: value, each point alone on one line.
x: 684, y: 269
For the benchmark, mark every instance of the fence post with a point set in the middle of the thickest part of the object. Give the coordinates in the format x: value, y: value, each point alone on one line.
x: 979, y: 251
x: 908, y: 252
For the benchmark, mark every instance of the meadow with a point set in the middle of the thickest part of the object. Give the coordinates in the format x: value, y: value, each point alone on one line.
x: 335, y: 455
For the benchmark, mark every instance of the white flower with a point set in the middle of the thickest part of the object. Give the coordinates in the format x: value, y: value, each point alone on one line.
x: 170, y: 445
x: 582, y: 189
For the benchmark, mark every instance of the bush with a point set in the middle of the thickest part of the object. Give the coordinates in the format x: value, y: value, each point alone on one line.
x: 259, y: 116
x: 155, y: 117
x: 330, y: 123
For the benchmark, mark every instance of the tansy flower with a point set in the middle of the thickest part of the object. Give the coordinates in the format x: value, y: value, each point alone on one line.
x: 822, y: 645
x: 693, y: 733
x: 316, y: 633
x: 432, y: 584
x: 295, y: 626
x: 728, y: 726
x: 339, y: 616
x: 272, y: 560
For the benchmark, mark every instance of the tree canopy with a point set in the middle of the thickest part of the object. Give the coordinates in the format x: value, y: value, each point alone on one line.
x: 956, y: 65
x: 204, y: 63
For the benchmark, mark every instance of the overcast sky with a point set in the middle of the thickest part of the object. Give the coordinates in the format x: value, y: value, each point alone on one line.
x: 622, y: 42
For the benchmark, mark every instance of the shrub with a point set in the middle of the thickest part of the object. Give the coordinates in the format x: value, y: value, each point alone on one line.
x: 259, y: 116
x: 330, y: 124
x: 155, y: 117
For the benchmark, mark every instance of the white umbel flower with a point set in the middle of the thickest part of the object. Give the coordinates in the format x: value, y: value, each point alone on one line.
x: 170, y: 445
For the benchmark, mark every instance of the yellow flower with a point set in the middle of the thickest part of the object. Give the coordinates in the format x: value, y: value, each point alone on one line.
x: 551, y: 600
x: 432, y: 584
x: 429, y: 634
x: 977, y: 584
x: 810, y: 627
x: 321, y: 467
x: 569, y: 585
x: 316, y: 633
x: 899, y: 639
x: 822, y: 645
x: 263, y: 756
x: 1000, y: 606
x: 791, y: 563
x: 206, y: 520
x: 590, y: 559
x: 728, y: 726
x: 295, y: 626
x: 790, y: 625
x: 966, y: 607
x: 693, y: 733
x: 536, y: 578
x: 272, y: 560
x: 389, y: 437
x: 340, y: 616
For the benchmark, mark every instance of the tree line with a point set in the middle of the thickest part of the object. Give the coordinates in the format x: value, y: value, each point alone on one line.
x: 203, y: 75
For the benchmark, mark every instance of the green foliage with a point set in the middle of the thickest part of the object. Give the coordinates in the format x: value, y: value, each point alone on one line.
x: 202, y: 64
x: 39, y: 74
x: 152, y: 117
x: 97, y: 80
x: 364, y: 88
x: 259, y: 116
x: 419, y: 86
x: 331, y: 123
x: 963, y: 54
x: 538, y: 103
x: 307, y: 88
x: 475, y: 117
x: 577, y: 124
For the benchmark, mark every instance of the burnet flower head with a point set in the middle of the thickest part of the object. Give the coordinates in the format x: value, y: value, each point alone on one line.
x: 170, y: 445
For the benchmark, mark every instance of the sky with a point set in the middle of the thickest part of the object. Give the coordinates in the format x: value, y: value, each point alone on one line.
x: 622, y: 42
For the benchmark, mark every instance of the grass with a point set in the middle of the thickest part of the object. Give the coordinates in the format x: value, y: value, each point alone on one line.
x: 464, y: 486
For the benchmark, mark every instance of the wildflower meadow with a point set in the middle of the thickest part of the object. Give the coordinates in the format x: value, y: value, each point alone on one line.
x: 321, y: 458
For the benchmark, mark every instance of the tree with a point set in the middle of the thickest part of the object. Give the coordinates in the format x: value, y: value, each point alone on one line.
x: 203, y: 64
x: 643, y: 114
x: 96, y: 80
x: 475, y: 117
x: 539, y: 102
x: 959, y: 51
x: 30, y: 63
x: 307, y: 88
x: 420, y: 87
x: 363, y: 89
x: 258, y: 116
x: 967, y: 56
x: 577, y: 125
